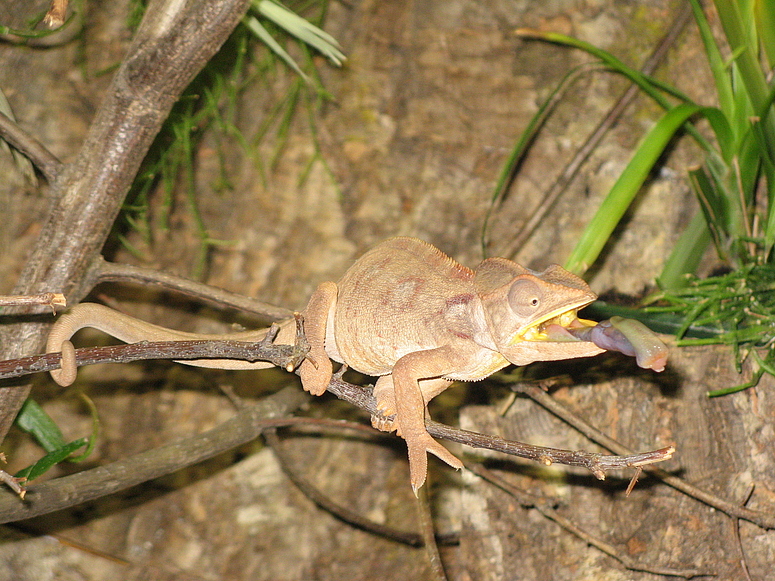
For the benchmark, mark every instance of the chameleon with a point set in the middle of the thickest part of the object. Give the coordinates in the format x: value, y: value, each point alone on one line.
x: 416, y: 319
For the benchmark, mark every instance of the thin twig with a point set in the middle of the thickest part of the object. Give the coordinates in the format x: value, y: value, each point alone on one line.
x: 51, y: 300
x: 542, y: 505
x: 22, y: 141
x: 285, y: 356
x: 428, y: 533
x: 571, y: 169
x: 13, y: 483
x: 61, y: 493
x: 55, y: 16
x: 103, y: 271
x: 738, y: 538
x: 598, y: 464
x: 339, y: 511
x: 288, y: 357
x: 759, y: 518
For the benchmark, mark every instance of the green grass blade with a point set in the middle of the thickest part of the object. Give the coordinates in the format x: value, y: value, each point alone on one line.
x: 95, y: 430
x: 715, y: 207
x: 263, y: 34
x: 725, y: 136
x: 716, y: 61
x: 740, y: 32
x: 653, y: 87
x: 302, y: 29
x: 626, y: 187
x: 686, y: 254
x: 769, y: 227
x: 647, y: 84
x: 51, y: 459
x: 764, y: 15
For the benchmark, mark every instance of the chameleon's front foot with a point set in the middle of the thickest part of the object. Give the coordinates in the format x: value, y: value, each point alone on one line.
x: 316, y: 375
x: 419, y: 445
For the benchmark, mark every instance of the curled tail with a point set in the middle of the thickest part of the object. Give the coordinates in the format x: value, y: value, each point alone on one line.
x: 132, y: 330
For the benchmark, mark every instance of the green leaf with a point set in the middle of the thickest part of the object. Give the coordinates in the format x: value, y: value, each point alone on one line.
x: 626, y: 187
x: 650, y: 85
x: 686, y: 254
x: 737, y: 20
x: 302, y: 29
x: 262, y: 33
x: 36, y: 422
x: 51, y: 459
x: 714, y: 206
x: 764, y: 15
x: 717, y: 67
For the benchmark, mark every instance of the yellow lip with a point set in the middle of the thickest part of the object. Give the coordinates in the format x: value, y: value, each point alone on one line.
x: 566, y: 318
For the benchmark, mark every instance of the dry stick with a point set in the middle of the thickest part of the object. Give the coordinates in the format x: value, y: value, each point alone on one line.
x: 339, y: 511
x: 103, y: 271
x: 284, y: 356
x: 56, y: 13
x: 738, y: 538
x: 572, y: 168
x: 120, y: 476
x: 288, y: 356
x: 542, y: 505
x: 428, y: 534
x: 60, y: 493
x: 598, y: 464
x: 762, y: 519
x: 173, y: 42
x: 22, y: 141
x: 51, y: 300
x: 10, y: 481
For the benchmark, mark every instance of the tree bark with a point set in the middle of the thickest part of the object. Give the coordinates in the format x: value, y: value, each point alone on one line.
x: 172, y: 44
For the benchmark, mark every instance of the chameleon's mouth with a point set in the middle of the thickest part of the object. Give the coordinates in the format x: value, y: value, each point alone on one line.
x: 555, y: 326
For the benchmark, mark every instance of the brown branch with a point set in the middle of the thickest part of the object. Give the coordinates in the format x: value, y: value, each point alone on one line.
x: 42, y: 158
x: 359, y: 396
x: 51, y: 300
x: 288, y: 357
x: 738, y: 538
x: 173, y: 42
x: 762, y: 519
x: 103, y: 271
x: 542, y: 505
x: 423, y: 505
x: 92, y: 484
x: 284, y: 356
x: 341, y: 512
x: 56, y: 13
x: 598, y: 464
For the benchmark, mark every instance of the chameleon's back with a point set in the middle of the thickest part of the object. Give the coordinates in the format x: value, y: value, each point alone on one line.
x: 393, y: 301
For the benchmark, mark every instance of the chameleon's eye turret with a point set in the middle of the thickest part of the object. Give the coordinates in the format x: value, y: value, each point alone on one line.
x: 525, y: 298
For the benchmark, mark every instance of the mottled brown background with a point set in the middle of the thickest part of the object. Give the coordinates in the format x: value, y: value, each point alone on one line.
x: 424, y: 114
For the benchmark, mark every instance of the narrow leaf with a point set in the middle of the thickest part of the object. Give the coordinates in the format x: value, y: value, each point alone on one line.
x: 302, y: 29
x: 686, y: 254
x: 263, y: 34
x: 51, y: 459
x: 36, y: 422
x: 626, y: 187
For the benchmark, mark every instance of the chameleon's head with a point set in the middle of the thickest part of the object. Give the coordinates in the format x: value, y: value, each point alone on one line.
x: 527, y: 312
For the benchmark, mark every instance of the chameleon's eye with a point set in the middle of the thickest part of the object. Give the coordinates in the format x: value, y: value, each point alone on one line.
x: 525, y: 298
